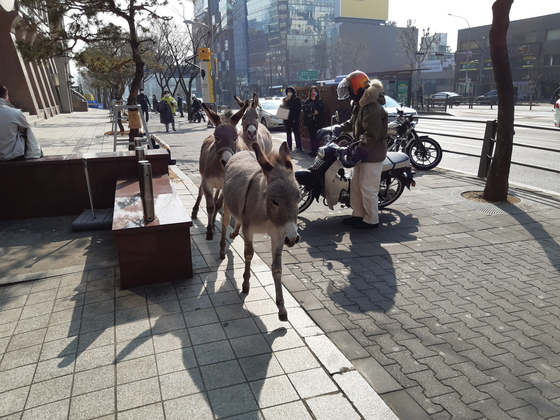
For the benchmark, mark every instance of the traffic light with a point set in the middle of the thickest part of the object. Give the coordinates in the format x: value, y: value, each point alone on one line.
x: 204, y: 54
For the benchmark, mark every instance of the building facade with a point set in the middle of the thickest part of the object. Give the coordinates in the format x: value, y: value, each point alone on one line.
x: 41, y: 88
x: 264, y: 46
x: 534, y: 54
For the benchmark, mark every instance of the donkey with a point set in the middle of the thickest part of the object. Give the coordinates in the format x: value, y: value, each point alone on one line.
x: 215, y: 152
x: 262, y: 193
x: 252, y: 131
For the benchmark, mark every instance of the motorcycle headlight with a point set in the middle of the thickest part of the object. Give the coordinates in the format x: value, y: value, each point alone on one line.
x: 321, y: 153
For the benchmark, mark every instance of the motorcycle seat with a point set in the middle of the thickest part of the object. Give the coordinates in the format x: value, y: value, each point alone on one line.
x: 396, y: 160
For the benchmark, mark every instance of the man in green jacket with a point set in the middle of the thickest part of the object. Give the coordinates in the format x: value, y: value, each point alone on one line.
x: 368, y: 123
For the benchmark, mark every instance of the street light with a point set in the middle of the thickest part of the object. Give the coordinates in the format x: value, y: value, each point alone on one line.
x: 468, y: 37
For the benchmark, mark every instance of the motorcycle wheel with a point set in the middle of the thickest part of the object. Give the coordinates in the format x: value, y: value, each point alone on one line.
x: 389, y: 193
x: 305, y: 198
x: 425, y: 159
x: 345, y: 140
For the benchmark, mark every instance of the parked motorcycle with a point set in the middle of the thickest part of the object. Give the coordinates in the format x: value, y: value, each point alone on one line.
x: 328, y: 178
x: 424, y: 152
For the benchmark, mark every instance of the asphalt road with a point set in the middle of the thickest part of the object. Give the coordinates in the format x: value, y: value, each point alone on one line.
x: 541, y: 116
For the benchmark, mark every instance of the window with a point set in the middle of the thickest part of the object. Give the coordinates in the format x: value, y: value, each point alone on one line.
x: 551, y: 60
x: 522, y: 38
x: 552, y: 34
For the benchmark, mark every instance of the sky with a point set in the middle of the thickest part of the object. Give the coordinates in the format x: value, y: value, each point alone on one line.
x: 434, y: 14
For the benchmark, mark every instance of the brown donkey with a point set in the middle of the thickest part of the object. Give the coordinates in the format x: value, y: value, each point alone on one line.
x: 262, y: 194
x: 215, y: 152
x: 252, y: 131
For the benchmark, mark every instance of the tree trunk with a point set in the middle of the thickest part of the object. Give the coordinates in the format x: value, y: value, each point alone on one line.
x: 497, y: 183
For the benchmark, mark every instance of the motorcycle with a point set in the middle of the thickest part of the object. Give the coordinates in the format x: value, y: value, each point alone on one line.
x: 424, y: 152
x: 328, y: 178
x: 202, y: 115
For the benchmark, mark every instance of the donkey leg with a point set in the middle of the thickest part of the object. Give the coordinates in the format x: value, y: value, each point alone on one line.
x: 249, y: 252
x: 218, y: 202
x: 235, y: 231
x: 225, y: 223
x: 210, y: 206
x: 277, y: 247
x: 194, y: 213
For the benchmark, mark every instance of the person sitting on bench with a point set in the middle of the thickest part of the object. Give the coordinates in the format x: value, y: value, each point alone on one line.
x: 17, y: 141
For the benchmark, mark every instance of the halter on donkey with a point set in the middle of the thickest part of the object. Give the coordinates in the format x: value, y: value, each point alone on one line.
x: 215, y: 152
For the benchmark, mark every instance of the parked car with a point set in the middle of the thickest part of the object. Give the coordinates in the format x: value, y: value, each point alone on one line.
x: 490, y: 98
x: 391, y: 106
x: 453, y: 97
x: 267, y: 112
x: 557, y: 113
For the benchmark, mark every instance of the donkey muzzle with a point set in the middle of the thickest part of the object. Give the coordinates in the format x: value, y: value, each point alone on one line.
x: 225, y: 154
x: 291, y: 241
x: 251, y: 132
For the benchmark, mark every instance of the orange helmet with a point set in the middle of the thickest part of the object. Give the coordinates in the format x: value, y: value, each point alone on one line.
x: 351, y: 85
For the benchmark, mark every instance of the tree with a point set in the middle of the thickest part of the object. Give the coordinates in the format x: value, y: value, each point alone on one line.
x: 496, y: 188
x: 88, y: 23
x: 107, y: 64
x: 409, y: 41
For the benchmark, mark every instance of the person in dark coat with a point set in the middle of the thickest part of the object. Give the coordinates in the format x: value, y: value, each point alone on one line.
x: 314, y: 117
x: 196, y: 106
x: 144, y: 103
x: 292, y: 102
x: 154, y: 104
x: 180, y: 104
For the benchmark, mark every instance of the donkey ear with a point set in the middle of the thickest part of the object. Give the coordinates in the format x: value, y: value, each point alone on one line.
x: 261, y: 158
x: 285, y: 155
x: 212, y: 116
x: 255, y: 100
x: 239, y: 101
x: 239, y: 114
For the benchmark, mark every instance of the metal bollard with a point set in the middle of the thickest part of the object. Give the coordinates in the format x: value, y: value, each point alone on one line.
x: 140, y: 153
x: 146, y: 190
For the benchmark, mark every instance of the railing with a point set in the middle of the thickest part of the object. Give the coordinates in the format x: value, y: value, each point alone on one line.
x: 489, y: 141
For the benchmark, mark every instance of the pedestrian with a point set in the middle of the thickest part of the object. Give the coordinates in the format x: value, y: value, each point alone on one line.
x: 293, y: 104
x: 180, y: 104
x: 368, y: 123
x: 17, y: 141
x: 154, y: 104
x: 144, y: 103
x: 314, y: 117
x: 196, y: 107
x: 420, y: 97
x: 166, y: 109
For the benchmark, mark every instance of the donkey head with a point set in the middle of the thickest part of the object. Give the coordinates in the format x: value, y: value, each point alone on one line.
x: 282, y: 191
x: 250, y: 118
x: 225, y: 134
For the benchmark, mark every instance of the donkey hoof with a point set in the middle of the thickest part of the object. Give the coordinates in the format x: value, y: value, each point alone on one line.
x: 283, y: 315
x: 233, y: 235
x: 246, y: 289
x: 209, y: 235
x: 223, y: 255
x: 194, y: 215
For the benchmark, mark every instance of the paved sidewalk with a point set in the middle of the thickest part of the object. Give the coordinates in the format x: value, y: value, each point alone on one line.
x: 74, y: 345
x: 450, y: 310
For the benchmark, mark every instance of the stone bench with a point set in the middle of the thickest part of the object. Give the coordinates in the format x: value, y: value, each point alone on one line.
x: 157, y: 251
x: 56, y: 185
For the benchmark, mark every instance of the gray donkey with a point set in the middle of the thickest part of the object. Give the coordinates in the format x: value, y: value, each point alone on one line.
x: 252, y: 131
x: 215, y: 152
x: 262, y: 194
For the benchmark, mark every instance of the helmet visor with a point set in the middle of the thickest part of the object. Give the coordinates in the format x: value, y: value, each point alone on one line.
x: 342, y: 90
